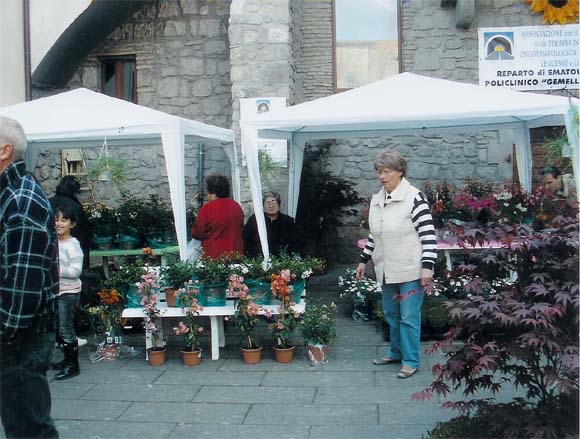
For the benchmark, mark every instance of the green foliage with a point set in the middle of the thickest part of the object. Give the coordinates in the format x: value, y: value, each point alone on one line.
x: 268, y: 167
x: 109, y: 168
x: 155, y: 215
x: 300, y: 267
x: 103, y: 220
x: 434, y: 313
x: 129, y: 211
x: 176, y: 274
x: 317, y: 323
x: 125, y: 275
x: 215, y: 270
x: 324, y: 199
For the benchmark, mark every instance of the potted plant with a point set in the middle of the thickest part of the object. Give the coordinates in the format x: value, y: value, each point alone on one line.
x: 130, y: 210
x: 300, y: 270
x: 125, y: 279
x: 246, y: 318
x: 106, y: 322
x: 156, y: 222
x: 103, y: 221
x: 147, y: 289
x: 285, y: 323
x: 175, y: 276
x: 361, y: 292
x: 213, y: 274
x: 190, y: 329
x: 317, y: 326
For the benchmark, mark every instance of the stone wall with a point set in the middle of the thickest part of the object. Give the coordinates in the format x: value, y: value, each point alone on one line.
x: 261, y: 52
x: 182, y: 59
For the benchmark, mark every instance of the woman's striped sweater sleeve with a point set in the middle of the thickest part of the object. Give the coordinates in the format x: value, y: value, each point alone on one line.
x: 423, y: 222
x: 367, y: 252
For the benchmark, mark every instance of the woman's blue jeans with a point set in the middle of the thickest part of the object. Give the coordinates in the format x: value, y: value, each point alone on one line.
x: 402, y: 307
x: 67, y: 307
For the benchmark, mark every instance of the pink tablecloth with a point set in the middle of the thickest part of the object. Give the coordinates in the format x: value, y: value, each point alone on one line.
x: 445, y: 245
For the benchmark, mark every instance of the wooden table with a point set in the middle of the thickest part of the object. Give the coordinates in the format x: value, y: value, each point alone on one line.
x: 105, y: 254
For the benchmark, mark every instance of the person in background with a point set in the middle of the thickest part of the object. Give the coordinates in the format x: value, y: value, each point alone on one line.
x: 28, y: 290
x: 402, y: 244
x: 70, y: 268
x: 559, y: 186
x: 66, y: 194
x: 280, y: 229
x: 220, y: 221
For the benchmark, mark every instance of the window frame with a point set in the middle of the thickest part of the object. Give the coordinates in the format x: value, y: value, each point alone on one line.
x: 399, y: 44
x: 119, y: 77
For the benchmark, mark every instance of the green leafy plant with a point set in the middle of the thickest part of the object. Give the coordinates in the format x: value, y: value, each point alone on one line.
x: 176, y: 274
x: 215, y: 270
x: 111, y: 168
x: 324, y: 199
x: 362, y: 293
x: 155, y: 215
x: 317, y: 323
x: 103, y: 220
x: 268, y: 167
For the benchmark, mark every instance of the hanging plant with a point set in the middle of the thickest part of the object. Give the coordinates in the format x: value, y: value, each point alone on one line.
x: 556, y: 11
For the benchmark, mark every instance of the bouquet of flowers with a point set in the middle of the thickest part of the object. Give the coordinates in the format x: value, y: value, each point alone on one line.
x: 361, y: 292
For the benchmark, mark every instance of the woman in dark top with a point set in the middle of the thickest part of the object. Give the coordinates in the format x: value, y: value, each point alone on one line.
x: 66, y: 195
x: 279, y: 227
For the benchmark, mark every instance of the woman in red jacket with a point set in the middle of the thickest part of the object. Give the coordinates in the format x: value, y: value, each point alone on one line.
x: 220, y: 221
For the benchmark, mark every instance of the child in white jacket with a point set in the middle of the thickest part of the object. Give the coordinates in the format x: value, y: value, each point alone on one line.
x: 70, y: 268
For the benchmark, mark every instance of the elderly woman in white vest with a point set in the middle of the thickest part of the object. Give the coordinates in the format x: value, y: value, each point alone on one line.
x: 402, y: 244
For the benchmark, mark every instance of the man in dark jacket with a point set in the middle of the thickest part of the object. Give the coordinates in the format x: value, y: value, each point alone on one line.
x: 28, y: 288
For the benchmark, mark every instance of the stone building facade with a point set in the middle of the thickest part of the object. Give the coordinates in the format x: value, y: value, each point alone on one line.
x: 197, y: 58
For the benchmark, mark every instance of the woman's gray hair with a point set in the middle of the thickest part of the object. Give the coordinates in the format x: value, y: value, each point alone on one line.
x: 12, y: 132
x: 272, y: 194
x: 392, y: 159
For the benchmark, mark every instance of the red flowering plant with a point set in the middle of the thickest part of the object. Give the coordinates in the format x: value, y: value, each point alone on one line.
x: 147, y: 288
x: 190, y: 329
x: 440, y: 198
x: 285, y: 324
x: 514, y: 205
x: 246, y: 316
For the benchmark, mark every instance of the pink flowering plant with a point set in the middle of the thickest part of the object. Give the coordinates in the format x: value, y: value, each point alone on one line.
x: 147, y: 288
x: 285, y: 324
x: 246, y: 316
x: 191, y: 330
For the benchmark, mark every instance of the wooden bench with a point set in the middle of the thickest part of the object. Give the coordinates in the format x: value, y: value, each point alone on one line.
x: 216, y: 316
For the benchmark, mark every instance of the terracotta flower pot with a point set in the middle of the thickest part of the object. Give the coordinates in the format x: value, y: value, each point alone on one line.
x: 157, y: 357
x: 191, y: 358
x: 284, y: 355
x: 170, y: 296
x: 317, y: 353
x: 252, y: 356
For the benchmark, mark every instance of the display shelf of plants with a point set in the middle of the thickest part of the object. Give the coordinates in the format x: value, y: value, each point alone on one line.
x: 134, y: 223
x: 205, y: 283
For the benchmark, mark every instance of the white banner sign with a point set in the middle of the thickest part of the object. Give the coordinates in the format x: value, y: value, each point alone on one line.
x: 529, y: 57
x: 249, y: 108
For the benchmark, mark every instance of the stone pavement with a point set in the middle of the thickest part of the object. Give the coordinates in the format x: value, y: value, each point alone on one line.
x: 347, y: 398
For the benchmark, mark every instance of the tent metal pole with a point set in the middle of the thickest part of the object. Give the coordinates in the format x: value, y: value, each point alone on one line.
x: 200, y: 154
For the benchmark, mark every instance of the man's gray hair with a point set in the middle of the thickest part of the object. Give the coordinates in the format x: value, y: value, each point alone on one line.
x: 392, y: 159
x: 12, y: 132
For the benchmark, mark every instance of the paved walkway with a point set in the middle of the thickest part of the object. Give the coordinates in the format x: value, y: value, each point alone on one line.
x: 347, y: 398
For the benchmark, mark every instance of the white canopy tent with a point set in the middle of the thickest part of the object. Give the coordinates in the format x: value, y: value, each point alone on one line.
x: 83, y: 118
x: 404, y: 104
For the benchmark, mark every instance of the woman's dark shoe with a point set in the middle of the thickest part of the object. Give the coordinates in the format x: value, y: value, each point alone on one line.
x: 383, y: 361
x: 58, y: 366
x: 71, y: 360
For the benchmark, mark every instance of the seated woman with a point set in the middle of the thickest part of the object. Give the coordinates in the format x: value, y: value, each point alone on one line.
x: 220, y: 221
x: 558, y: 186
x: 280, y: 229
